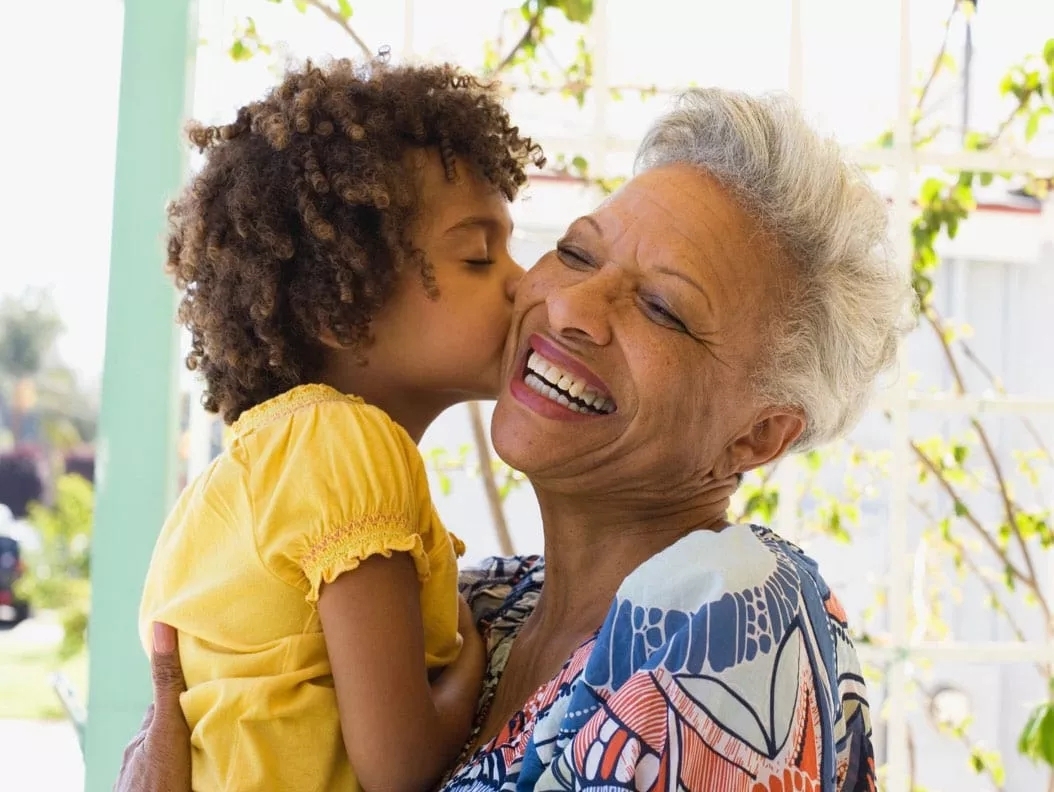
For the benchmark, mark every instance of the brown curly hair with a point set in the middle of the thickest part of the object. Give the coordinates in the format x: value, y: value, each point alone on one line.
x: 299, y: 221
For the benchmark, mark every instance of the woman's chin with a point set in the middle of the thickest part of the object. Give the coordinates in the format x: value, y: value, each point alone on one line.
x: 530, y: 443
x: 515, y: 439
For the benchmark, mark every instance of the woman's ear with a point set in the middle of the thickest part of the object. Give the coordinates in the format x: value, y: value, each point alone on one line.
x: 772, y: 433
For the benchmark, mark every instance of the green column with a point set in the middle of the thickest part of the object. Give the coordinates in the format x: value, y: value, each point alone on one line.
x: 138, y: 423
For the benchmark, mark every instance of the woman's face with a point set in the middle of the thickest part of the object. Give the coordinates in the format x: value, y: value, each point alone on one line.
x: 632, y: 345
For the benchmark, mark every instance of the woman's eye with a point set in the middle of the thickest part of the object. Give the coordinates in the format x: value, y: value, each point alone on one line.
x: 573, y: 258
x: 483, y: 262
x: 664, y: 316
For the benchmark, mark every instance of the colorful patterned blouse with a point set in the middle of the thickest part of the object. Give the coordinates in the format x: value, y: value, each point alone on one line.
x: 723, y: 665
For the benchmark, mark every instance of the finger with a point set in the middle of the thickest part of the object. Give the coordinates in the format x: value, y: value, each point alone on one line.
x: 166, y: 670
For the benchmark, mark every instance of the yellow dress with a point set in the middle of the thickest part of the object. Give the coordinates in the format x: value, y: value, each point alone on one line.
x: 312, y: 482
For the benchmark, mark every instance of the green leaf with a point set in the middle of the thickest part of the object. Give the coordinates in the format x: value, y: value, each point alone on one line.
x: 344, y: 9
x: 1037, y: 738
x: 1032, y: 125
x: 960, y: 509
x: 813, y: 460
x: 239, y: 52
x: 931, y: 188
x: 579, y: 163
x: 1048, y: 52
x: 300, y: 5
x: 986, y: 178
x: 975, y: 141
x: 579, y: 11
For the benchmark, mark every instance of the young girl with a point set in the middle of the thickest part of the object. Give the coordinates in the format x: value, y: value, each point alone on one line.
x: 344, y: 259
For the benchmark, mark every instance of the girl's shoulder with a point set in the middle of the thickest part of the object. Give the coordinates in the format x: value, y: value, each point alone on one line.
x: 297, y: 403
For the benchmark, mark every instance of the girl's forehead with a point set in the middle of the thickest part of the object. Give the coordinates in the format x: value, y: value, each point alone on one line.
x: 447, y: 205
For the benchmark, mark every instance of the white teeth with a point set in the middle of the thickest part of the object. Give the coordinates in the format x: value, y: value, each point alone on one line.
x: 545, y: 375
x: 539, y: 386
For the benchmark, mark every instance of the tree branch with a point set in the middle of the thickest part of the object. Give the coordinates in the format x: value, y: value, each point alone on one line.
x: 486, y: 469
x: 528, y: 34
x: 968, y: 515
x: 986, y: 581
x: 937, y: 323
x: 1030, y: 427
x: 935, y: 70
x: 333, y: 15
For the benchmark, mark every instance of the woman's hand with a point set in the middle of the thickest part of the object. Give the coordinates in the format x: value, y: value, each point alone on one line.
x: 158, y: 758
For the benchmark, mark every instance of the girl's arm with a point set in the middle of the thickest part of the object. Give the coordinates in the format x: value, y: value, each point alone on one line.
x: 400, y: 733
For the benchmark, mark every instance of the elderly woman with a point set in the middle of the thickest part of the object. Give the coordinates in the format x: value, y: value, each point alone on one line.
x: 734, y: 301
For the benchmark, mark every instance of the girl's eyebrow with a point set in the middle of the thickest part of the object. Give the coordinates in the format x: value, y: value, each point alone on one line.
x: 484, y: 221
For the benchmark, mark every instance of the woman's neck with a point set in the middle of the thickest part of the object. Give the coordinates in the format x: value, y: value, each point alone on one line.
x: 593, y: 544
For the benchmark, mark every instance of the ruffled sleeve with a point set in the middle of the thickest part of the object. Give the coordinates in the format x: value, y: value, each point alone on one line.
x: 337, y: 482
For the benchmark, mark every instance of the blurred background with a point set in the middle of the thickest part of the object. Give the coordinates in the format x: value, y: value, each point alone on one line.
x: 932, y: 521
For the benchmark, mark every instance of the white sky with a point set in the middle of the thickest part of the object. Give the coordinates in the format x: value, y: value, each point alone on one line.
x: 60, y: 60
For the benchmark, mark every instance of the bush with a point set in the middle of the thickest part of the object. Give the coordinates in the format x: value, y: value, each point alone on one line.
x: 57, y: 577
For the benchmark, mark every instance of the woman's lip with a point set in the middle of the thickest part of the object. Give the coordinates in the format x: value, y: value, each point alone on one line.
x: 551, y: 352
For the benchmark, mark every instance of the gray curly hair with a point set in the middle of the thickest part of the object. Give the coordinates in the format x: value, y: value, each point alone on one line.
x: 842, y: 325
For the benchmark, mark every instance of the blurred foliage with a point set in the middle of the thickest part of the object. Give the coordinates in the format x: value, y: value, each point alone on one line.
x: 39, y: 396
x: 29, y: 325
x: 57, y: 576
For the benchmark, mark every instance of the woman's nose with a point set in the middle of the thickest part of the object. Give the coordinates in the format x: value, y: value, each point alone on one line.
x: 582, y: 310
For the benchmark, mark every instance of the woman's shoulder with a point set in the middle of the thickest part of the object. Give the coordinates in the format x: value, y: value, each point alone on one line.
x: 705, y: 566
x: 728, y: 598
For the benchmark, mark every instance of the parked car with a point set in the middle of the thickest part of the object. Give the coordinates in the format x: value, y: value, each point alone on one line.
x: 12, y: 609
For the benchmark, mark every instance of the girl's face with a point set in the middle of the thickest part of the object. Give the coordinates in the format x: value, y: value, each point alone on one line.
x: 440, y: 351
